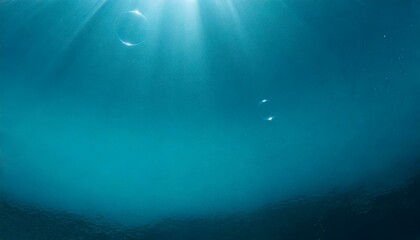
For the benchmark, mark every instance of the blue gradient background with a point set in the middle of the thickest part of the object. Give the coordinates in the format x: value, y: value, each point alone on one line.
x: 171, y: 127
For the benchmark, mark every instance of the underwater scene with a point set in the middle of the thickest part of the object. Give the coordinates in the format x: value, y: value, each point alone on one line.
x: 209, y: 119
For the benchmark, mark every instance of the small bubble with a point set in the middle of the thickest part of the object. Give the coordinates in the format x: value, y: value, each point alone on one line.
x: 131, y: 28
x: 266, y: 110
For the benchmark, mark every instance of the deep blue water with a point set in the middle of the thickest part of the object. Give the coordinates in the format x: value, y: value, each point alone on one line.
x: 209, y: 119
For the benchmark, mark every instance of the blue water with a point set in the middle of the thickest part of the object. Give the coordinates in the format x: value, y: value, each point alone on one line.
x: 134, y: 112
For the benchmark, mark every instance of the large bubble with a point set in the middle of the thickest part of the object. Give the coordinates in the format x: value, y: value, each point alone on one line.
x: 267, y: 110
x: 131, y: 28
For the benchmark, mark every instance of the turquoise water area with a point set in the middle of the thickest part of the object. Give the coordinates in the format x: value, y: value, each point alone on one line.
x: 136, y: 111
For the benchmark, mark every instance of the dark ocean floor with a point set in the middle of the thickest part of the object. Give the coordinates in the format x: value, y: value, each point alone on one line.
x: 352, y: 215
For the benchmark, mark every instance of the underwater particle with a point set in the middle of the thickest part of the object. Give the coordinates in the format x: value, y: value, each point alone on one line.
x: 131, y: 28
x: 266, y: 110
